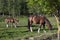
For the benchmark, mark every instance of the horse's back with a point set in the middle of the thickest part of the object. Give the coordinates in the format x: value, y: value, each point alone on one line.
x: 9, y: 19
x: 37, y: 19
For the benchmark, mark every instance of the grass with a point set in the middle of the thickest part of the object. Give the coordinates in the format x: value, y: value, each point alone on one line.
x: 21, y: 31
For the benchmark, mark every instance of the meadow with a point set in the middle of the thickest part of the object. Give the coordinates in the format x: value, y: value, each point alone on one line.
x: 21, y: 31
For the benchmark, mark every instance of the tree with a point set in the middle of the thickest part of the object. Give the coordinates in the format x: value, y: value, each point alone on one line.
x: 3, y: 5
x: 9, y: 6
x: 24, y: 9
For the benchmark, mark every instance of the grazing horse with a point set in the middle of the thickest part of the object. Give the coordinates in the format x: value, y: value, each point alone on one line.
x: 38, y: 19
x: 14, y: 21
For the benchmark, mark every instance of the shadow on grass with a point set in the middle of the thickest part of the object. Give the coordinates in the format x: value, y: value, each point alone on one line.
x: 46, y: 29
x: 37, y: 26
x: 22, y: 26
x: 26, y: 26
x: 36, y: 29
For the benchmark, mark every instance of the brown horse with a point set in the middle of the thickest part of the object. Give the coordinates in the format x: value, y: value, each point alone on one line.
x: 14, y: 21
x: 38, y: 19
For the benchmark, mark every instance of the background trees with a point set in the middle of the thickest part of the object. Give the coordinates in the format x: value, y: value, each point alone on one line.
x: 24, y: 7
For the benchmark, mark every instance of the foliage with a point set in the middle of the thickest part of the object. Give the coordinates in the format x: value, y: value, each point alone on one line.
x: 29, y: 6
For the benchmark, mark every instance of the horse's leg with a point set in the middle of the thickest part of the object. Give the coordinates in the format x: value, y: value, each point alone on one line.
x: 7, y: 25
x: 44, y: 28
x: 39, y: 28
x: 14, y: 25
x: 31, y: 29
x: 29, y: 25
x: 11, y: 24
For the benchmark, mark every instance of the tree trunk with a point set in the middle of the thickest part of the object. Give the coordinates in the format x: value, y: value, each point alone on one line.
x: 58, y: 25
x: 58, y: 22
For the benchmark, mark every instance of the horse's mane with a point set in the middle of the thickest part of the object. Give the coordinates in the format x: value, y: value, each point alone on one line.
x: 48, y: 23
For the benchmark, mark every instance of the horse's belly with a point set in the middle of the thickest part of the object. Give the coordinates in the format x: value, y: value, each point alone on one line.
x: 36, y: 22
x: 42, y: 21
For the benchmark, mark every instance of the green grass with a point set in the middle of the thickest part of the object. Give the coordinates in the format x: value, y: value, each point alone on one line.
x: 21, y: 30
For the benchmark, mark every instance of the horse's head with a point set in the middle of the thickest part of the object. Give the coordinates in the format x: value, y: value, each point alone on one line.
x: 16, y: 20
x: 48, y: 23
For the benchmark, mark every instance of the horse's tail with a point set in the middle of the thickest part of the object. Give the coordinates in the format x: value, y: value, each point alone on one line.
x: 48, y: 24
x: 28, y: 24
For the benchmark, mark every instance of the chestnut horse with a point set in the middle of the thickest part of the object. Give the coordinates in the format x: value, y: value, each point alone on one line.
x: 14, y: 21
x: 38, y: 19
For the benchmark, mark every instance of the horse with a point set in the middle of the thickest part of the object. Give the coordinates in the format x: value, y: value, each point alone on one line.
x: 38, y: 19
x: 9, y: 20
